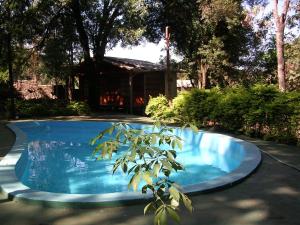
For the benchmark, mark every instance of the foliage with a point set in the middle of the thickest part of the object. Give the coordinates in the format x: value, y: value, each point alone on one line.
x: 195, y: 106
x: 149, y: 159
x: 213, y: 59
x: 206, y: 33
x: 261, y: 111
x: 19, y: 30
x: 61, y: 48
x: 104, y: 23
x: 50, y: 107
x: 55, y: 59
x: 3, y: 76
x: 158, y: 108
x: 19, y: 26
x: 272, y: 114
x: 232, y: 106
x: 78, y: 108
x: 293, y: 64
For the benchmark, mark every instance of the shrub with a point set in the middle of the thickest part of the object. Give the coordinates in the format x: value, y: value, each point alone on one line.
x: 78, y: 108
x: 50, y: 107
x: 259, y: 106
x: 180, y: 106
x: 196, y: 106
x: 33, y: 107
x: 231, y: 107
x: 261, y: 111
x: 274, y: 115
x: 158, y: 108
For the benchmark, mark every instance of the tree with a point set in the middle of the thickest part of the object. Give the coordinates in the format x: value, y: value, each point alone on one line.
x: 280, y: 22
x: 102, y: 24
x: 212, y: 57
x: 12, y: 36
x: 24, y: 27
x: 194, y: 25
x: 293, y: 64
x: 61, y: 51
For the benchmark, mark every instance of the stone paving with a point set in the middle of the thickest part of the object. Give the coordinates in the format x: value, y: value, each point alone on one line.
x: 270, y: 196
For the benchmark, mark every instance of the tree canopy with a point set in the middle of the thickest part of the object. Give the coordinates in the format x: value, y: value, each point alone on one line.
x: 222, y: 42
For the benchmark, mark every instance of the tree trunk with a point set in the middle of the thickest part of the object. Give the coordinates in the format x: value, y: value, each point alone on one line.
x: 11, y: 78
x: 202, y: 76
x: 70, y: 79
x: 89, y: 66
x: 280, y: 59
x: 69, y: 88
x: 280, y: 21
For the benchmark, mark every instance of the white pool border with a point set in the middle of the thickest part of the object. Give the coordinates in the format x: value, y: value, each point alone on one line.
x: 14, y: 189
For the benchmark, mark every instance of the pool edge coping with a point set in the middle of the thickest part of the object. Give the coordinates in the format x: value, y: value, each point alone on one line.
x: 14, y: 189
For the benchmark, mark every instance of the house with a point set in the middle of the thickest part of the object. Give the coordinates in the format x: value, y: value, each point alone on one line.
x: 126, y: 84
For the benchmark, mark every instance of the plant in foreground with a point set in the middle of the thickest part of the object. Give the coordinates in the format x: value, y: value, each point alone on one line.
x: 150, y: 159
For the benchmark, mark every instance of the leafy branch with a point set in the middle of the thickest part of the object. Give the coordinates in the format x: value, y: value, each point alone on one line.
x: 149, y: 158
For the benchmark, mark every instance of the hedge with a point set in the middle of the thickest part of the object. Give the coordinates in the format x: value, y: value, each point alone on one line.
x: 50, y: 107
x: 260, y: 111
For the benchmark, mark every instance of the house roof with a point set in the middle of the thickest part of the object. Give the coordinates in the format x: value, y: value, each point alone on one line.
x: 134, y: 65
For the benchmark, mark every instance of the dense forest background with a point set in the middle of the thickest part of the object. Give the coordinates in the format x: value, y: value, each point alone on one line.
x: 241, y: 56
x: 222, y: 42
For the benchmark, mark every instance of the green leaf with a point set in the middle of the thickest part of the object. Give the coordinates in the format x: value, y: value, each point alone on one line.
x: 110, y: 130
x: 174, y: 215
x: 146, y: 161
x: 133, y: 154
x: 160, y: 217
x: 163, y: 217
x: 174, y: 193
x: 167, y: 165
x: 148, y: 207
x: 187, y: 202
x: 157, y: 124
x: 131, y: 169
x: 153, y: 139
x: 134, y: 182
x: 136, y: 140
x: 173, y: 153
x: 170, y: 156
x: 173, y: 144
x: 194, y: 128
x: 149, y: 151
x: 144, y: 189
x: 124, y: 167
x: 178, y: 143
x: 157, y: 215
x: 176, y: 166
x: 115, y: 167
x: 156, y: 169
x: 174, y: 203
x: 147, y: 177
x: 160, y: 141
x: 166, y: 172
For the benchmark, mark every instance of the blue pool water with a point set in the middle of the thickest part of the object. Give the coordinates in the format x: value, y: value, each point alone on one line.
x: 58, y: 158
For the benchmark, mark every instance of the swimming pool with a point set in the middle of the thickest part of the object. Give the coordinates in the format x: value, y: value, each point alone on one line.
x: 52, y: 161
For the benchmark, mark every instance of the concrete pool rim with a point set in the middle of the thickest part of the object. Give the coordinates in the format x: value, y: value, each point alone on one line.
x: 14, y: 189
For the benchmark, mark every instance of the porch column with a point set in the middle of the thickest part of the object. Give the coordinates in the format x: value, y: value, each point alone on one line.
x: 130, y: 94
